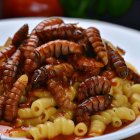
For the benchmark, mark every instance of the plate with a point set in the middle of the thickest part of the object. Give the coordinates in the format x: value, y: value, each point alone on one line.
x: 126, y: 38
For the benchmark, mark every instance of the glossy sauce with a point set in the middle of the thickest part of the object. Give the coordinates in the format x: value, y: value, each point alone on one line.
x: 7, y: 129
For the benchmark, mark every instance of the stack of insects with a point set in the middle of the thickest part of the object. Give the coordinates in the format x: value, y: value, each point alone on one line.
x: 55, y: 56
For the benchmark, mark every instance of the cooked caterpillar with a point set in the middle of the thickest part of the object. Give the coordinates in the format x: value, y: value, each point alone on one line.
x: 117, y: 62
x: 6, y: 53
x: 109, y: 74
x: 90, y: 106
x: 13, y: 97
x: 60, y: 31
x: 10, y: 70
x: 133, y: 76
x: 59, y: 94
x: 49, y: 71
x: 53, y: 61
x: 20, y: 35
x: 95, y: 85
x: 47, y: 22
x: 53, y: 48
x: 94, y: 38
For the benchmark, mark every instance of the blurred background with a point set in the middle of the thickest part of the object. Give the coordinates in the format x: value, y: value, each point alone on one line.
x: 123, y: 12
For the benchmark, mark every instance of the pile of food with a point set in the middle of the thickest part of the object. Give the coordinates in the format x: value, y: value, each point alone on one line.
x: 62, y: 80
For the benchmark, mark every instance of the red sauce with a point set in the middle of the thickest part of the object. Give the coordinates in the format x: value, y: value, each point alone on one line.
x: 6, y: 130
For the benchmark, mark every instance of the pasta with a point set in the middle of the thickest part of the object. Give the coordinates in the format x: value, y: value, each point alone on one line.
x: 52, y: 129
x: 115, y: 116
x: 39, y: 105
x: 68, y: 82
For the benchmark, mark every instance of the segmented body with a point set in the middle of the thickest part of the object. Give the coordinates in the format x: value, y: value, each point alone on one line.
x: 94, y: 38
x: 89, y: 65
x: 6, y: 53
x: 52, y: 49
x: 47, y: 72
x: 47, y: 22
x: 91, y: 106
x: 10, y: 70
x: 2, y: 101
x: 117, y: 62
x: 133, y: 76
x: 53, y: 61
x: 58, y: 92
x: 109, y: 74
x: 13, y: 97
x: 60, y: 31
x: 20, y: 35
x: 95, y: 85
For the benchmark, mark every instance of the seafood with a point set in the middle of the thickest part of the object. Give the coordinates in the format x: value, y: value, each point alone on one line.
x: 59, y: 94
x: 10, y: 70
x: 6, y: 53
x: 94, y: 38
x: 91, y: 106
x: 13, y: 97
x: 51, y: 71
x: 60, y: 31
x: 20, y: 35
x: 117, y: 62
x: 133, y: 76
x: 52, y: 49
x: 95, y: 85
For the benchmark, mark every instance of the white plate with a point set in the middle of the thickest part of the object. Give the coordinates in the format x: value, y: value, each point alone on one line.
x: 126, y: 38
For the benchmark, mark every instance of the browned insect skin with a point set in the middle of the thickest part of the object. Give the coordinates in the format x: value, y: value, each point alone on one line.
x: 13, y: 97
x: 53, y: 61
x: 94, y: 38
x: 58, y: 92
x: 6, y: 53
x: 10, y: 70
x: 20, y: 35
x: 51, y: 49
x: 60, y: 31
x: 47, y: 22
x: 133, y: 76
x: 95, y: 85
x: 2, y: 101
x: 117, y: 62
x: 90, y: 66
x: 91, y: 106
x: 109, y: 74
x: 47, y: 72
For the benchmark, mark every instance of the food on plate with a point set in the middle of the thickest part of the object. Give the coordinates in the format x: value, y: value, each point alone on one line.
x: 64, y: 81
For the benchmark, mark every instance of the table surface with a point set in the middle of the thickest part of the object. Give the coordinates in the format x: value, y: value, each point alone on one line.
x: 135, y: 137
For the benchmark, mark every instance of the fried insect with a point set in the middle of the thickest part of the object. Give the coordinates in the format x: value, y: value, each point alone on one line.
x: 94, y: 38
x: 91, y: 106
x: 59, y: 94
x: 95, y: 85
x: 60, y: 31
x: 90, y: 66
x: 2, y: 100
x: 52, y: 49
x: 109, y: 74
x: 6, y: 53
x: 53, y: 61
x: 63, y: 71
x: 10, y: 70
x: 117, y: 62
x: 133, y: 76
x: 20, y: 35
x: 13, y: 97
x: 47, y: 22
